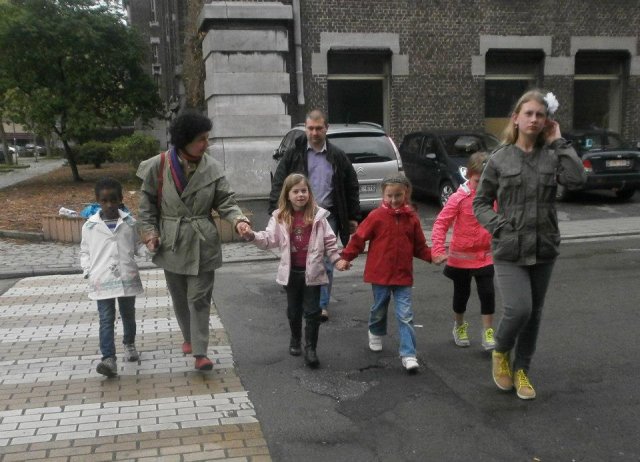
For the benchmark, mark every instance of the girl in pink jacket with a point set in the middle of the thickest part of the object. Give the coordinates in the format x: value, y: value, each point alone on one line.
x: 469, y: 255
x: 299, y: 228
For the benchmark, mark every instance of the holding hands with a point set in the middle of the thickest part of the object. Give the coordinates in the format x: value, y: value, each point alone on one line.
x: 244, y: 230
x: 342, y: 265
x: 439, y: 259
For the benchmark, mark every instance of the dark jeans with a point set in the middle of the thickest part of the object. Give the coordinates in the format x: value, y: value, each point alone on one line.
x: 107, y: 312
x: 461, y: 278
x: 523, y: 290
x: 301, y: 298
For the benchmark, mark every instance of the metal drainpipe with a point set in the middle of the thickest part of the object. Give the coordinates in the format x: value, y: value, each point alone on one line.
x: 297, y: 39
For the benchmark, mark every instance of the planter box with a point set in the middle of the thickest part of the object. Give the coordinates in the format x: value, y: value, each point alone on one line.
x: 62, y: 229
x: 69, y: 229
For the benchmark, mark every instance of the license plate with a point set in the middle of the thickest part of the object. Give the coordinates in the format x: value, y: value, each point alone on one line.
x: 368, y: 188
x: 618, y: 163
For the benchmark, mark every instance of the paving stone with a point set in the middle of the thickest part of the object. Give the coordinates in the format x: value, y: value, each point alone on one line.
x: 57, y: 407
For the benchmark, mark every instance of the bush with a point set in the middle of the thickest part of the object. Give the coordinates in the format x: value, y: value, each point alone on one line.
x: 135, y: 148
x: 93, y: 152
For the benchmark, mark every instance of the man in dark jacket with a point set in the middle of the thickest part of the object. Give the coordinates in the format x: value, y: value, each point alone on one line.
x: 334, y: 183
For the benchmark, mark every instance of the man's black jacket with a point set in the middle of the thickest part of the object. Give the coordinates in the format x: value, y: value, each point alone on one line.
x: 346, y: 191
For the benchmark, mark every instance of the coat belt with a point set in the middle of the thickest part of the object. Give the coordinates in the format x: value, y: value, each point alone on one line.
x: 193, y: 221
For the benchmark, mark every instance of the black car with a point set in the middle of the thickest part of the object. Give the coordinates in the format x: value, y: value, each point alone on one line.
x: 435, y: 160
x: 609, y: 161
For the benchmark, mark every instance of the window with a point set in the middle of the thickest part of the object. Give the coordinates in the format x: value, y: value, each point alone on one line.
x: 509, y: 73
x: 598, y: 87
x: 358, y: 86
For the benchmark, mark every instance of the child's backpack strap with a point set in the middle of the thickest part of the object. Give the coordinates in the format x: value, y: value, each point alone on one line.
x: 163, y: 156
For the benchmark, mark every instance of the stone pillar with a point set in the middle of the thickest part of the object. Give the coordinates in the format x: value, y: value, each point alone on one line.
x: 244, y: 52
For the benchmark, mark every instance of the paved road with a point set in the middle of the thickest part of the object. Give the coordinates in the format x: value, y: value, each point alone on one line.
x: 361, y: 406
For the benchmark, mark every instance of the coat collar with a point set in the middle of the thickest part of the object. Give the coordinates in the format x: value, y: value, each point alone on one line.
x: 125, y: 217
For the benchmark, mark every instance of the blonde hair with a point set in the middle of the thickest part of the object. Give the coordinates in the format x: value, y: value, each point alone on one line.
x: 476, y: 163
x: 510, y: 133
x: 398, y: 179
x: 284, y: 204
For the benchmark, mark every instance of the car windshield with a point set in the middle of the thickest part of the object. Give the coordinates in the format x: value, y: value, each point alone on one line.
x: 364, y: 147
x: 462, y: 145
x: 598, y: 141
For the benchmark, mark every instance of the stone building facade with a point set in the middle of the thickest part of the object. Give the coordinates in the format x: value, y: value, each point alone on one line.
x: 410, y: 64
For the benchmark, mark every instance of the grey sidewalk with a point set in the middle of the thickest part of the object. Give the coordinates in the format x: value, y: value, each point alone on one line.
x: 36, y: 259
x: 41, y: 167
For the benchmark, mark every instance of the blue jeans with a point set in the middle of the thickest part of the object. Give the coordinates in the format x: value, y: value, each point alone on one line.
x: 107, y: 312
x: 325, y: 291
x: 404, y: 315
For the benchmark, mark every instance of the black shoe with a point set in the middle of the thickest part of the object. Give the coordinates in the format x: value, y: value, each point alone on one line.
x: 311, y: 358
x: 294, y: 347
x: 324, y: 315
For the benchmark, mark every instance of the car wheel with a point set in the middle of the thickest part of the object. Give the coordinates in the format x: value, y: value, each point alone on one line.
x: 562, y: 193
x: 446, y: 189
x: 625, y: 194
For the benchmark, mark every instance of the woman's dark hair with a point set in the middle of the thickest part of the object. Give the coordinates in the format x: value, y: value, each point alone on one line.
x: 186, y: 126
x: 108, y: 183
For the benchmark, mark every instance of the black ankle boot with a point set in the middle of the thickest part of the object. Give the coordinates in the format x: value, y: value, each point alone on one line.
x: 296, y: 334
x: 311, y: 328
x: 311, y: 358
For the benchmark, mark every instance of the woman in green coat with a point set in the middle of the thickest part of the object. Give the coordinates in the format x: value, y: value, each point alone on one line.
x: 180, y: 190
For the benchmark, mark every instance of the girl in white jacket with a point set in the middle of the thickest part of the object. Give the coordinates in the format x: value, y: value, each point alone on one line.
x: 109, y: 242
x: 299, y: 228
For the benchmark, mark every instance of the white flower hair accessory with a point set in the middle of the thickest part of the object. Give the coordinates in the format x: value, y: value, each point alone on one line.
x: 552, y: 103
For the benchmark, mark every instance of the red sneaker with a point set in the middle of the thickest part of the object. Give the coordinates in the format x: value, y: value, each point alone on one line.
x: 204, y: 364
x: 186, y: 348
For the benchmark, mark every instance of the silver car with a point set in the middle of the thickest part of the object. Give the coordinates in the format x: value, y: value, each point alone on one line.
x: 373, y: 154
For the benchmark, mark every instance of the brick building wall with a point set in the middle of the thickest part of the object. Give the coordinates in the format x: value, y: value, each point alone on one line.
x: 440, y: 38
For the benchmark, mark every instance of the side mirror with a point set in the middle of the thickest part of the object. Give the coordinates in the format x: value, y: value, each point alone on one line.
x: 277, y: 155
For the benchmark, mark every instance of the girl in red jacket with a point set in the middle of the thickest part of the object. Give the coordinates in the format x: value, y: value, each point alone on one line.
x: 469, y: 255
x: 395, y: 237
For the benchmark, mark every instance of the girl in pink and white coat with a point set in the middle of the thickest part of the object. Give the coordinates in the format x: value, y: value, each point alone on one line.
x: 299, y: 228
x: 469, y: 255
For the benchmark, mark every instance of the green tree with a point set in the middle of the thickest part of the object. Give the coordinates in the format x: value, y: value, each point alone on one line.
x: 73, y: 66
x: 135, y: 148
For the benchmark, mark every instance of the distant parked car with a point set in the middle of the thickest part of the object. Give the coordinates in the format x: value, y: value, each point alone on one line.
x: 12, y: 150
x: 372, y: 153
x: 609, y: 161
x: 434, y: 160
x: 33, y: 149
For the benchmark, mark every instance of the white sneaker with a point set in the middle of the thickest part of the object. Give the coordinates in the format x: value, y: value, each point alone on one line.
x: 375, y: 342
x: 410, y: 363
x: 488, y: 342
x: 460, y: 335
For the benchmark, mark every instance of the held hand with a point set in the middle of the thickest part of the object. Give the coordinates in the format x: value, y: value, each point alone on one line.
x: 244, y: 230
x: 353, y: 226
x: 153, y: 244
x: 342, y: 265
x: 551, y: 131
x: 439, y: 259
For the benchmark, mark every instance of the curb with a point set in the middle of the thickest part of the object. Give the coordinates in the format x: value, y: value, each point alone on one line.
x: 32, y: 236
x: 34, y: 272
x: 43, y: 271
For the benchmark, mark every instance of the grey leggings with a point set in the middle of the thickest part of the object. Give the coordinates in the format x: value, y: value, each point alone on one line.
x: 523, y: 289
